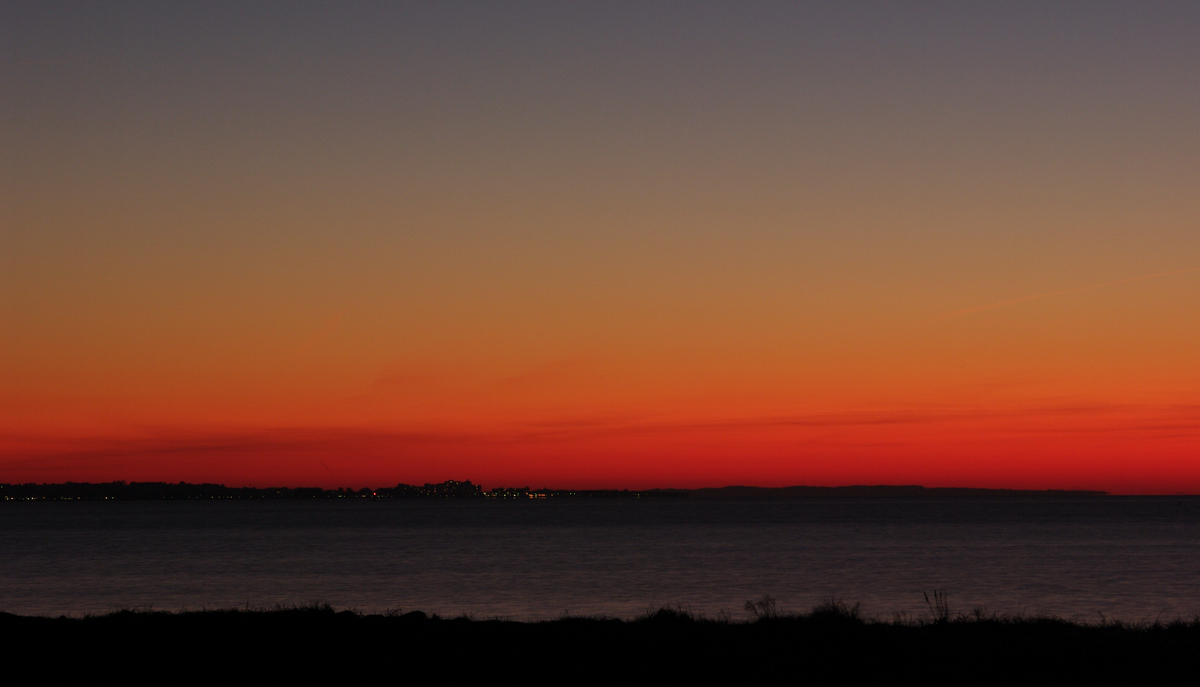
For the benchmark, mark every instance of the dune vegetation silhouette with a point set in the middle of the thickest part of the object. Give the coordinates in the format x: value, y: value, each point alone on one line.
x: 834, y: 641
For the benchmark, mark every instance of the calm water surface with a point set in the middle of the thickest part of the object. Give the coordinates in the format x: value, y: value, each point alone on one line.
x: 1135, y: 559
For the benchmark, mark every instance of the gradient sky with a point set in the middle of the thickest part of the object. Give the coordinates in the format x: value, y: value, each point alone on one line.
x: 602, y: 245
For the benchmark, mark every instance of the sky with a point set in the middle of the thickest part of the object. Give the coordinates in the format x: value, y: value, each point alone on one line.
x: 618, y: 245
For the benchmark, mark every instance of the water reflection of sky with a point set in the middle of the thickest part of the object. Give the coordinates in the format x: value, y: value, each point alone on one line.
x: 1133, y: 559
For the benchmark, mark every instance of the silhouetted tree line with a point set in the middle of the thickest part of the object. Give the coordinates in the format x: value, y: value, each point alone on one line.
x: 164, y: 491
x: 885, y: 491
x: 452, y: 489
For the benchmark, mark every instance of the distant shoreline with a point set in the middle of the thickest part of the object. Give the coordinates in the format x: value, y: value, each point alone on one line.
x: 182, y: 491
x: 885, y: 492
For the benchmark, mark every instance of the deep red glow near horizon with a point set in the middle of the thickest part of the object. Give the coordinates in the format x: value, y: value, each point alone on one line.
x: 1066, y: 448
x: 623, y: 246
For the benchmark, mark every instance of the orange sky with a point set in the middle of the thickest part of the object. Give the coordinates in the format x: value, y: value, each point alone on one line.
x: 626, y: 246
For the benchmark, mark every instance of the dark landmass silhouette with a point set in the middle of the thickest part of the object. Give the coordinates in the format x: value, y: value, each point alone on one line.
x: 833, y: 643
x: 451, y: 489
x: 164, y: 491
x: 883, y: 492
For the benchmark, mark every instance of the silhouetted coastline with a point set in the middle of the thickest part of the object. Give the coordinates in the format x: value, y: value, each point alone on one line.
x: 832, y: 642
x: 911, y: 491
x: 452, y: 489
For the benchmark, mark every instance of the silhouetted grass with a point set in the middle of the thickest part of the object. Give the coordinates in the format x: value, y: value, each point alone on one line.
x: 833, y: 642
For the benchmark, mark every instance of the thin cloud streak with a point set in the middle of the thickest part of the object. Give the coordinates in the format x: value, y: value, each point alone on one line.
x: 1065, y: 419
x: 1077, y: 289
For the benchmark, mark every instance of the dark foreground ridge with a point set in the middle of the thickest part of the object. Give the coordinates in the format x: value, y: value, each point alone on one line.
x: 451, y: 489
x: 832, y: 643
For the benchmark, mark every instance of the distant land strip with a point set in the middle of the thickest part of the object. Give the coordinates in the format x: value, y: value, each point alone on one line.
x: 882, y: 491
x: 451, y: 489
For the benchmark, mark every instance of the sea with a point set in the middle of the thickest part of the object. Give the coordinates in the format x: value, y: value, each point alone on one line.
x: 1129, y: 559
